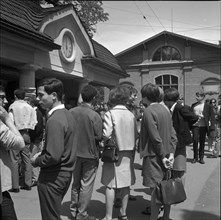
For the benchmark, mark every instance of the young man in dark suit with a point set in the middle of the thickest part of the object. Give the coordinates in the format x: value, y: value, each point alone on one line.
x: 205, y: 123
x: 182, y: 118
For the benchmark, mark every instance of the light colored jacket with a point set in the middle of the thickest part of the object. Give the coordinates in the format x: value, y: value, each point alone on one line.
x: 23, y: 115
x: 8, y: 141
x: 124, y: 124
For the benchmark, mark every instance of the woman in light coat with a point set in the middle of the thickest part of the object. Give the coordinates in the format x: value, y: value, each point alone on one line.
x: 120, y: 123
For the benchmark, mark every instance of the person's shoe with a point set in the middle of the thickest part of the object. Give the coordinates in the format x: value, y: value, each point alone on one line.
x: 194, y: 160
x: 201, y: 161
x: 147, y: 211
x: 86, y: 217
x: 14, y: 190
x: 25, y: 187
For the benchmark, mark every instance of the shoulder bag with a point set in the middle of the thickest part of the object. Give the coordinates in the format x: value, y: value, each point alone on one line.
x: 110, y: 152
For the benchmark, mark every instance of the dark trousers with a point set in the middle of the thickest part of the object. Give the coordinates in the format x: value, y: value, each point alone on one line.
x: 199, y: 137
x: 7, y: 211
x: 52, y: 188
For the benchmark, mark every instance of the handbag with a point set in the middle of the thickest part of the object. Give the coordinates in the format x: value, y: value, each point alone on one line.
x: 170, y: 191
x: 110, y: 152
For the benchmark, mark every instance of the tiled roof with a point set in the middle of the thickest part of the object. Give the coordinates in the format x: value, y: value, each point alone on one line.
x: 104, y: 55
x: 27, y: 16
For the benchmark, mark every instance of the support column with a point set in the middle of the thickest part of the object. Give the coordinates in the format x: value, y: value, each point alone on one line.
x: 27, y: 79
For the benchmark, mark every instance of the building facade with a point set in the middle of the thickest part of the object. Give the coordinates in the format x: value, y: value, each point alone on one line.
x: 171, y: 60
x: 39, y: 42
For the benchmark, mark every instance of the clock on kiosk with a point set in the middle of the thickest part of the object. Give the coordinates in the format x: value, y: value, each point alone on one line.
x: 68, y: 46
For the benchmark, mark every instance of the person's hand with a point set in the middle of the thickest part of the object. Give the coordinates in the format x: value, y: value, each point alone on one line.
x: 166, y: 163
x: 34, y: 158
x: 171, y: 159
x: 3, y: 115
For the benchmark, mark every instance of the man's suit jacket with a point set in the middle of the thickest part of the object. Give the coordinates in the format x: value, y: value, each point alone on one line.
x: 208, y: 114
x: 183, y: 118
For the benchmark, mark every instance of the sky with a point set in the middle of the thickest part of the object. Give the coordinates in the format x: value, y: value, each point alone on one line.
x: 131, y: 22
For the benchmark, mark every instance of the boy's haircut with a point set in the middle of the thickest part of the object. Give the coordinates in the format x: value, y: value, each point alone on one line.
x: 52, y: 85
x: 88, y: 93
x: 119, y: 95
x: 20, y: 93
x: 151, y: 92
x: 171, y: 94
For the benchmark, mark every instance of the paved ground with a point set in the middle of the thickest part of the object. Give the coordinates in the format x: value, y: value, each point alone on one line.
x: 202, y: 188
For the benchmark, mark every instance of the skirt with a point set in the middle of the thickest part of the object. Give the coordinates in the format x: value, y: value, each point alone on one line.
x: 120, y: 174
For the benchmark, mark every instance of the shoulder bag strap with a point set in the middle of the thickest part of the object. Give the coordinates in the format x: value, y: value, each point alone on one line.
x: 113, y: 136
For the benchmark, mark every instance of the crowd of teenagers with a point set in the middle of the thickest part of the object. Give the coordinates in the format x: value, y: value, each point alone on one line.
x: 45, y: 144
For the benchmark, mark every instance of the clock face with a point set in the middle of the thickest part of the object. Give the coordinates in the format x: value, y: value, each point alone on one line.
x: 67, y: 46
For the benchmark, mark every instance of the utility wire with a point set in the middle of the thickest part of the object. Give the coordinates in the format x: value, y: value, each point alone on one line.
x: 155, y: 15
x: 166, y: 19
x: 144, y: 17
x: 140, y: 25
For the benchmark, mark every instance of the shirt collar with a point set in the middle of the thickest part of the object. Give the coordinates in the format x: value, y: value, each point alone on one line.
x: 119, y: 107
x: 61, y: 106
x: 172, y: 108
x: 153, y: 103
x: 84, y: 104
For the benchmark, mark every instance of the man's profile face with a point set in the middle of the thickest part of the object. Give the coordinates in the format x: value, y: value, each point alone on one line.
x: 199, y: 98
x: 45, y: 99
x: 3, y: 100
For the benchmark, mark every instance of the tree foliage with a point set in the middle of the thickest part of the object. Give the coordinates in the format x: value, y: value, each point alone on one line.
x: 90, y: 12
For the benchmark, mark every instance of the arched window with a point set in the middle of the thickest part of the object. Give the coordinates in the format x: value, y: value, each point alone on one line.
x: 127, y: 83
x: 211, y: 86
x: 167, y: 81
x: 166, y: 53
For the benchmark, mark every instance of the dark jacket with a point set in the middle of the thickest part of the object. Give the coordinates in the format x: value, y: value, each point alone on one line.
x: 89, y: 131
x: 208, y: 114
x: 183, y: 118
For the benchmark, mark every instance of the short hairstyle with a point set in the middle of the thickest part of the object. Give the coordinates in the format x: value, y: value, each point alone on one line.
x: 200, y: 93
x: 52, y: 85
x: 171, y: 94
x: 20, y: 93
x: 151, y: 92
x: 119, y: 96
x: 88, y: 93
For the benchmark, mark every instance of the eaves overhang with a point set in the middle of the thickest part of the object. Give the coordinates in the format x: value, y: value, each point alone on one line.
x: 183, y: 63
x: 95, y: 61
x: 32, y: 35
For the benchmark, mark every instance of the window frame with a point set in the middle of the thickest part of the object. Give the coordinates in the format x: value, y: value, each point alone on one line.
x: 165, y: 85
x: 160, y: 54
